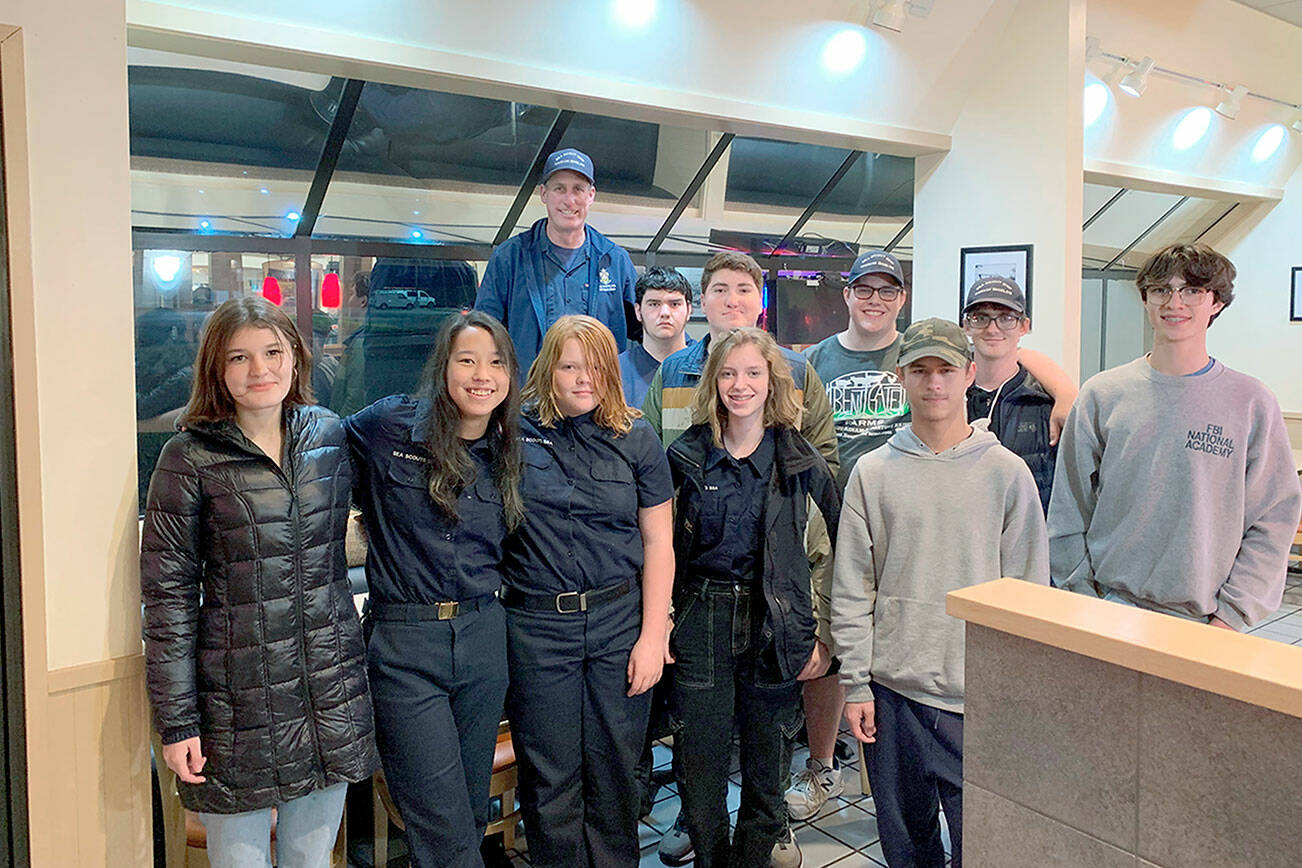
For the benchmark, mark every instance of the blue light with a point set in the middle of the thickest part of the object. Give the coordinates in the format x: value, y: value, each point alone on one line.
x: 1268, y: 143
x: 1095, y: 101
x: 264, y: 191
x: 1192, y: 127
x: 292, y: 216
x: 205, y: 225
x: 417, y: 234
x: 844, y: 52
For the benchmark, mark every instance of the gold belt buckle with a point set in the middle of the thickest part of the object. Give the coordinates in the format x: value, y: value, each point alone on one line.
x: 449, y: 610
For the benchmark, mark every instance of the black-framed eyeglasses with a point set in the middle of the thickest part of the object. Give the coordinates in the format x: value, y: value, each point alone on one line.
x: 1190, y: 295
x: 863, y: 292
x: 1006, y: 321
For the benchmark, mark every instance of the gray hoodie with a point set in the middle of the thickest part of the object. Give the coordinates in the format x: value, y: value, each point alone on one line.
x: 916, y: 525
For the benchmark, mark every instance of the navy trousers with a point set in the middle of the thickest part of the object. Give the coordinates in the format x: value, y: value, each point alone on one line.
x: 915, y: 766
x: 577, y: 734
x: 438, y: 688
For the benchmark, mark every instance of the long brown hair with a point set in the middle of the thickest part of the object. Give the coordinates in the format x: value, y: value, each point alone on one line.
x: 599, y: 349
x: 781, y: 406
x: 450, y: 467
x: 210, y: 400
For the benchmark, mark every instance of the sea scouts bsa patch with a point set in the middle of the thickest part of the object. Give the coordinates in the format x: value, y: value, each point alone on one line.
x: 604, y: 283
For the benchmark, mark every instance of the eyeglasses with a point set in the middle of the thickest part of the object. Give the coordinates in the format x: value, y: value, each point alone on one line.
x: 864, y: 292
x: 1006, y: 321
x: 1190, y: 295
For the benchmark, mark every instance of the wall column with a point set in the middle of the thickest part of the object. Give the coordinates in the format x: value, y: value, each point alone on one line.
x: 1013, y: 175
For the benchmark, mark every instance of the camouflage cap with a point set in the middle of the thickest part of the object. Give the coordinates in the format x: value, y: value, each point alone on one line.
x: 935, y: 337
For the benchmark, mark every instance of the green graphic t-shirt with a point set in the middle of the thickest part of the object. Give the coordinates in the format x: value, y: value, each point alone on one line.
x: 868, y: 400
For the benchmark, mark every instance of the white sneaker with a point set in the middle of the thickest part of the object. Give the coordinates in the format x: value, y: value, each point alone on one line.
x: 786, y: 852
x: 811, y: 788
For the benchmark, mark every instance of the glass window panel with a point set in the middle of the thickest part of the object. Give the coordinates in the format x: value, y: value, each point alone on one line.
x: 1125, y: 221
x: 174, y: 292
x: 430, y: 167
x: 867, y: 208
x: 222, y: 147
x: 375, y: 340
x: 1096, y: 196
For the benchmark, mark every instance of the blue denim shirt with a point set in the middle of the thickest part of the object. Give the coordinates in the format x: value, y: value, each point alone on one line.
x: 417, y: 553
x: 583, y: 486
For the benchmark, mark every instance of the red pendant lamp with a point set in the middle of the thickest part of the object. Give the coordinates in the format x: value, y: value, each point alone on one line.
x: 271, y: 289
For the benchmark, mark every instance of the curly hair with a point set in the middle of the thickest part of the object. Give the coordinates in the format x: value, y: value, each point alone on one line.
x: 782, y: 407
x: 1197, y: 265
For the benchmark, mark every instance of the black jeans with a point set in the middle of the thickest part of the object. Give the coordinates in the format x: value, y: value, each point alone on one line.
x: 915, y: 766
x: 721, y: 678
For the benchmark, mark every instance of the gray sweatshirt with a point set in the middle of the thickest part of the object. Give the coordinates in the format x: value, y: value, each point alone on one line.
x: 914, y: 526
x: 1176, y: 494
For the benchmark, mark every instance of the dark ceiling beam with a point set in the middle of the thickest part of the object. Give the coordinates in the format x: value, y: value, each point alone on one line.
x: 553, y: 138
x: 1212, y: 225
x: 850, y: 159
x: 325, y: 167
x: 899, y: 236
x: 1106, y: 205
x: 1149, y: 231
x: 692, y: 189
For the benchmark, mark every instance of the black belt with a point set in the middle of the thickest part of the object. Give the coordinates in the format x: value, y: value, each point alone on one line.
x: 427, y: 611
x: 568, y: 603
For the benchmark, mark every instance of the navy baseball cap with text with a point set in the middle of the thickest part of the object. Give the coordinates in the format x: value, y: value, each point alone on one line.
x: 876, y: 262
x: 569, y: 159
x: 1002, y: 291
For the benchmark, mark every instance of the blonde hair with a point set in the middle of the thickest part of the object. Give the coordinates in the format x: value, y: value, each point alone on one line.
x: 781, y: 407
x: 598, y: 346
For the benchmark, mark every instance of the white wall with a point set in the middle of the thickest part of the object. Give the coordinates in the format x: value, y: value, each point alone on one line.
x: 1013, y: 175
x: 1254, y: 334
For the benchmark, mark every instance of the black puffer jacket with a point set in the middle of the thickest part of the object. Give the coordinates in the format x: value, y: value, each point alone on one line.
x: 251, y: 638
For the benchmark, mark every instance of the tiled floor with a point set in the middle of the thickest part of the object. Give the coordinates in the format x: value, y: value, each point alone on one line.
x: 844, y: 834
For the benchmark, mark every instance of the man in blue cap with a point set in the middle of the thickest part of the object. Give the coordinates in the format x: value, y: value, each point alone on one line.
x: 558, y: 266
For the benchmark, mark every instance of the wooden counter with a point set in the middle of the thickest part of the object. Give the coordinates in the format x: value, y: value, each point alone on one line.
x: 1103, y: 736
x: 1248, y: 668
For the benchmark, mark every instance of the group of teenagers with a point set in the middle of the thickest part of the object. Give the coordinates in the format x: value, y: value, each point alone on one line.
x: 541, y: 549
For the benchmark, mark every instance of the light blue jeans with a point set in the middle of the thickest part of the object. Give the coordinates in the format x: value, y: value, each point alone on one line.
x: 306, y: 828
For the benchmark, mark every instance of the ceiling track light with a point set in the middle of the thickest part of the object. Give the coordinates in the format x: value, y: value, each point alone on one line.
x: 1136, y: 81
x: 888, y: 14
x: 1229, y: 107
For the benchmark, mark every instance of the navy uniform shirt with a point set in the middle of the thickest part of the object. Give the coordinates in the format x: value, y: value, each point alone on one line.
x: 583, y: 486
x: 565, y: 271
x: 728, y: 542
x: 416, y: 553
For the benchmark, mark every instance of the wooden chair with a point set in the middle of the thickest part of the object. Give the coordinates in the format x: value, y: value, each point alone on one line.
x: 502, y: 784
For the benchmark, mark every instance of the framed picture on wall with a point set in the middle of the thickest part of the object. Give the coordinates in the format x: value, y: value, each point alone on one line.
x: 1009, y: 260
x: 1295, y: 308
